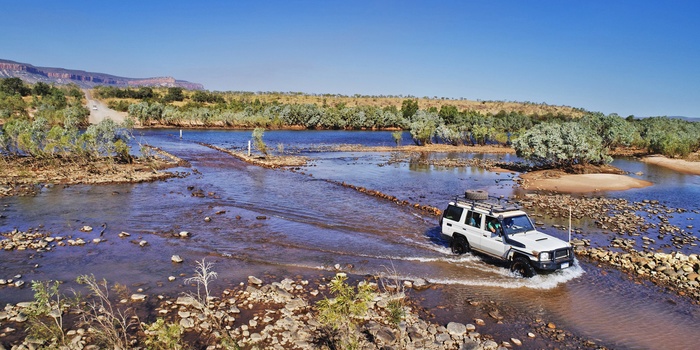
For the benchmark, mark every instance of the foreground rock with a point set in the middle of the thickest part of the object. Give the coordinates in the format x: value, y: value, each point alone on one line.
x: 279, y: 315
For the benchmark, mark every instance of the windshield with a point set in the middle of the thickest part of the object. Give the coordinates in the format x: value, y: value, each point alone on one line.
x: 517, y: 224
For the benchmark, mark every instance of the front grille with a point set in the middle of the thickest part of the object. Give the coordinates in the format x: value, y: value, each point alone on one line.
x: 561, y: 254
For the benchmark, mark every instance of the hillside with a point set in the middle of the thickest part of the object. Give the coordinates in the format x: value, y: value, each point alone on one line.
x: 484, y: 107
x: 32, y: 74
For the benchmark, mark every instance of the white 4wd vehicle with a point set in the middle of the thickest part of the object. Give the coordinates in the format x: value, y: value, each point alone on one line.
x: 475, y: 222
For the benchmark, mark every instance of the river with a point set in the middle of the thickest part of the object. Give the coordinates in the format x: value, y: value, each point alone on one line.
x: 310, y: 224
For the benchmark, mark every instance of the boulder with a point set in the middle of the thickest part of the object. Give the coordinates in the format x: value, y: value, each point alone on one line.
x: 456, y: 329
x: 254, y: 280
x: 420, y: 284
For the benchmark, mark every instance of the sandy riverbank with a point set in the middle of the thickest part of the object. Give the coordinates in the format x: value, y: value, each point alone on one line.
x: 558, y: 181
x: 680, y: 165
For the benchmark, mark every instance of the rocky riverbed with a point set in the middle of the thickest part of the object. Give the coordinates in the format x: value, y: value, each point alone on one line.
x: 636, y: 237
x: 277, y: 315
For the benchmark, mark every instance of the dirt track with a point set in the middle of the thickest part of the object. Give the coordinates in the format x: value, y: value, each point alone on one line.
x: 99, y: 111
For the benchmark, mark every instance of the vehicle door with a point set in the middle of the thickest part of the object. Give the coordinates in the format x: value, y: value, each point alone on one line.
x: 451, y: 220
x: 492, y: 241
x: 473, y: 222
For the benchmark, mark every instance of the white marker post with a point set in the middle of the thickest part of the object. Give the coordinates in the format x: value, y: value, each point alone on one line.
x: 248, y: 148
x: 569, y: 224
x: 180, y: 133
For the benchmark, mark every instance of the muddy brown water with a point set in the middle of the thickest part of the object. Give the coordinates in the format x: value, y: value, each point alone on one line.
x: 310, y: 225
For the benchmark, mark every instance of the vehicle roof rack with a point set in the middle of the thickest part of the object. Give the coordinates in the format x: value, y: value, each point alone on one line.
x: 494, y: 205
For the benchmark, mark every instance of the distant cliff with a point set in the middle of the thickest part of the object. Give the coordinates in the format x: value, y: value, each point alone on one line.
x: 33, y: 74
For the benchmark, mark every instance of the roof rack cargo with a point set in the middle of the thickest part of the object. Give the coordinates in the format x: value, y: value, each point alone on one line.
x: 492, y: 204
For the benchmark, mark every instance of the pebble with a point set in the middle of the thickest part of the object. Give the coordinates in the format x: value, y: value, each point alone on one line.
x: 176, y: 259
x: 138, y: 297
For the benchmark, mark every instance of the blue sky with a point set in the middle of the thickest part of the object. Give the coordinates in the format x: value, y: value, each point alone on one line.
x: 625, y: 57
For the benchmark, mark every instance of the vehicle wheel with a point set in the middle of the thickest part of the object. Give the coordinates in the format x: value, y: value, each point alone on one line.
x: 460, y: 245
x: 476, y: 194
x: 522, y: 266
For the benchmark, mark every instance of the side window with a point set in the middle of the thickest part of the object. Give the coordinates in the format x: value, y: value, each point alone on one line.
x: 493, y: 225
x: 453, y: 213
x: 474, y: 219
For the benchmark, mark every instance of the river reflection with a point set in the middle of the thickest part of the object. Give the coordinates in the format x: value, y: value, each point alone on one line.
x: 274, y: 222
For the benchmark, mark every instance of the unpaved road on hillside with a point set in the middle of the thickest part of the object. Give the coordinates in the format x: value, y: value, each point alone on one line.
x: 99, y: 111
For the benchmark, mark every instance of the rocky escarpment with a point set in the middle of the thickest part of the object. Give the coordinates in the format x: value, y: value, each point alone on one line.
x: 33, y: 74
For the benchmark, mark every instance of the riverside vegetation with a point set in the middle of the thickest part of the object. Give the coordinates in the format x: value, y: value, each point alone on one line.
x: 45, y: 138
x: 554, y: 136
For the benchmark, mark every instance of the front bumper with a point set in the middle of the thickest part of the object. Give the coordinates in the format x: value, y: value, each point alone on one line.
x: 553, y: 265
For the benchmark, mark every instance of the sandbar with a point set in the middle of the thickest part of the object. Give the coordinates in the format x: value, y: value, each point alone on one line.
x: 579, y: 183
x: 680, y: 165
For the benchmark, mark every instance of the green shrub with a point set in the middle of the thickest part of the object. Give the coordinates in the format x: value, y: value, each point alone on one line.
x: 163, y: 336
x: 342, y: 312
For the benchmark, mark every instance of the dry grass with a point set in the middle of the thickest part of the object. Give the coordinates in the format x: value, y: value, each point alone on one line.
x: 484, y: 107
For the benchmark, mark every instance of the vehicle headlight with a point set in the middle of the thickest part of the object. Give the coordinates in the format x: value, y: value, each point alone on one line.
x: 544, y: 256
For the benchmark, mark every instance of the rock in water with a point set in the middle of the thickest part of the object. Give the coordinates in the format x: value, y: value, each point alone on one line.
x: 254, y: 280
x: 138, y: 297
x: 176, y: 259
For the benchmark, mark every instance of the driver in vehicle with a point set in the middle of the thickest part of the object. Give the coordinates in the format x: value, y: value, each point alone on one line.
x: 494, y: 226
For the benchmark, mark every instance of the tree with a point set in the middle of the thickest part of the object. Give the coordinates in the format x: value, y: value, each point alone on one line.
x: 200, y: 96
x: 75, y: 92
x: 41, y: 89
x: 449, y: 134
x: 613, y: 130
x: 12, y: 106
x: 511, y: 123
x: 145, y: 93
x: 423, y: 126
x: 14, y: 86
x: 449, y: 114
x: 561, y: 145
x: 669, y: 137
x: 409, y: 108
x: 174, y: 94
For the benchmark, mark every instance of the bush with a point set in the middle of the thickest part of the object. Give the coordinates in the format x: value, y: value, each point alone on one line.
x: 163, y: 336
x: 342, y: 312
x: 258, y: 140
x: 561, y: 145
x: 423, y: 126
